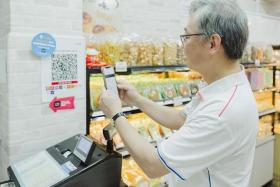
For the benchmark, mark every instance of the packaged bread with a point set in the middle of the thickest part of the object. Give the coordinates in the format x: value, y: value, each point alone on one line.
x: 170, y: 52
x: 165, y: 131
x: 132, y: 174
x: 118, y: 141
x: 268, y: 54
x: 154, y: 131
x: 157, y: 59
x: 181, y: 59
x: 182, y: 89
x: 169, y: 91
x: 153, y: 93
x: 145, y: 54
x: 264, y: 100
x: 96, y: 86
x: 143, y: 132
x: 96, y: 130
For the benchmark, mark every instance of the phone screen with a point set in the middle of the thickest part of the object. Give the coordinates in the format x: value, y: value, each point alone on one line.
x: 110, y: 79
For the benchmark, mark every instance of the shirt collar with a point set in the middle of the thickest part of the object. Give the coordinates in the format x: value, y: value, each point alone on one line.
x: 223, y: 84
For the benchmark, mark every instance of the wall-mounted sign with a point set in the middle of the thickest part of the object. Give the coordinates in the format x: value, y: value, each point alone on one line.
x: 62, y: 103
x: 63, y: 73
x: 43, y: 44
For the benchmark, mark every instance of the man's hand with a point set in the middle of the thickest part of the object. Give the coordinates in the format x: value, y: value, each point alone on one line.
x: 128, y: 93
x: 109, y: 103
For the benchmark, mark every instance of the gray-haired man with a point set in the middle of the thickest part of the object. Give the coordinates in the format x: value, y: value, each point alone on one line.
x: 215, y: 139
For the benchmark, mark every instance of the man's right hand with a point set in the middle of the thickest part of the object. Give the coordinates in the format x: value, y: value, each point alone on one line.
x: 128, y: 93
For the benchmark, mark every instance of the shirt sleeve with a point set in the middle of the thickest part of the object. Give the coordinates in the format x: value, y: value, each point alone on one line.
x: 189, y: 107
x: 200, y: 142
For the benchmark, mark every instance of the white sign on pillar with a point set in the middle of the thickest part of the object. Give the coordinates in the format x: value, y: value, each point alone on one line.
x: 62, y: 72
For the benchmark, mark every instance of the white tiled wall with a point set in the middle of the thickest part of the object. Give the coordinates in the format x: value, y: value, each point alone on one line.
x: 4, y: 29
x: 27, y: 125
x: 160, y: 19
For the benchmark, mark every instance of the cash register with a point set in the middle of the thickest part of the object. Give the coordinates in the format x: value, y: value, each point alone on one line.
x: 75, y: 162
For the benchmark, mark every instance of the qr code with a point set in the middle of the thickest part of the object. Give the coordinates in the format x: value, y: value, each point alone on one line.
x: 64, y: 67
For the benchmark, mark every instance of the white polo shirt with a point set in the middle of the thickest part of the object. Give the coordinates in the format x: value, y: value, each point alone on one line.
x: 215, y: 147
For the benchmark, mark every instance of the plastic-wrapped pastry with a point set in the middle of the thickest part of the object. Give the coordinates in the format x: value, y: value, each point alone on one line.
x: 170, y: 53
x: 154, y: 94
x: 96, y: 130
x: 145, y: 54
x: 254, y: 53
x: 181, y: 58
x: 154, y: 132
x: 268, y: 54
x: 165, y: 131
x: 96, y: 86
x: 169, y: 91
x: 157, y: 59
x: 118, y: 141
x: 108, y: 52
x: 183, y: 89
x: 132, y: 174
x: 143, y: 131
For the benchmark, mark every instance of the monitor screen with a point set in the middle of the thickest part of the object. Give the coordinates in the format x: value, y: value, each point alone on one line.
x: 83, y: 148
x: 84, y: 145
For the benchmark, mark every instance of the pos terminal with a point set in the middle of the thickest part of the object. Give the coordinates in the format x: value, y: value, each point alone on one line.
x: 75, y: 162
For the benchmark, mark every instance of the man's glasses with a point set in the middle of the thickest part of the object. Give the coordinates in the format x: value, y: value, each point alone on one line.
x: 185, y: 37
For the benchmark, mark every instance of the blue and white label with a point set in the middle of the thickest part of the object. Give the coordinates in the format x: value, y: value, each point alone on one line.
x: 43, y: 44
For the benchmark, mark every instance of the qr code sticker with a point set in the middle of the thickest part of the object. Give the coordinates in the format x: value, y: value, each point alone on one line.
x: 64, y: 67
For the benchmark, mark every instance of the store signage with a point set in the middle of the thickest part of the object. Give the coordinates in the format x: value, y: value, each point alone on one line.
x: 257, y: 62
x: 121, y: 66
x: 43, y: 44
x: 62, y: 72
x: 65, y: 103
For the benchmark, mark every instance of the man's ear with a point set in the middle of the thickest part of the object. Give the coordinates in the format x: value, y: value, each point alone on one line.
x: 215, y: 43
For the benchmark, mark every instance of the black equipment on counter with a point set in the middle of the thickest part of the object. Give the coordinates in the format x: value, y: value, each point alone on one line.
x: 74, y: 162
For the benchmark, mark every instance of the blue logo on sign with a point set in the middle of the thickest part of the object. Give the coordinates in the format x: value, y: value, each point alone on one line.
x: 43, y: 44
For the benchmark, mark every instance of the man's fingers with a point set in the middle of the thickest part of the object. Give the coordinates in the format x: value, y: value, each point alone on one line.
x: 121, y: 93
x: 122, y: 82
x: 123, y: 87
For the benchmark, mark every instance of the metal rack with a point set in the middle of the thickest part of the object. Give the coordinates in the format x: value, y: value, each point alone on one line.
x: 158, y: 69
x: 272, y: 112
x: 130, y: 70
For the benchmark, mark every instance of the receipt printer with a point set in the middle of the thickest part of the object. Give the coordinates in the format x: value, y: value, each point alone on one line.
x: 74, y: 162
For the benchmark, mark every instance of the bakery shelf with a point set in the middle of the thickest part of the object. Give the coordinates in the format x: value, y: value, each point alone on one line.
x: 176, y: 102
x: 267, y: 112
x: 262, y: 65
x: 261, y: 141
x: 146, y: 69
x: 273, y: 89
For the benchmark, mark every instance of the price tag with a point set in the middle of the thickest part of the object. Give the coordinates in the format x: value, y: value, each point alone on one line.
x: 177, y: 101
x: 257, y: 62
x: 121, y: 66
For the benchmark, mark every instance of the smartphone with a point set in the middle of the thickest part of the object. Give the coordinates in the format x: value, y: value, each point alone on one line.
x: 110, y: 79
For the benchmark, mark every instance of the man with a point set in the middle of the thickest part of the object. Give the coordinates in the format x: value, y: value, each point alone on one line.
x: 215, y: 139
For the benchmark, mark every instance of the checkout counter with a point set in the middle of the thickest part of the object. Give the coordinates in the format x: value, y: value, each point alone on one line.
x: 75, y: 162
